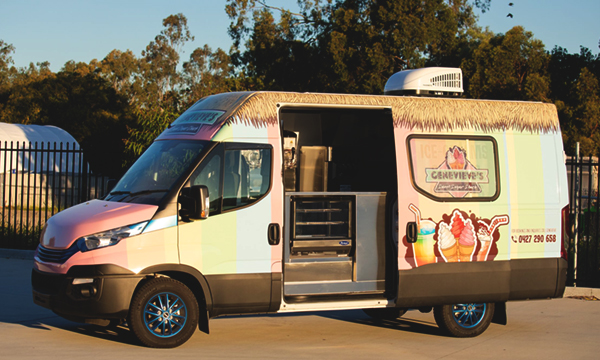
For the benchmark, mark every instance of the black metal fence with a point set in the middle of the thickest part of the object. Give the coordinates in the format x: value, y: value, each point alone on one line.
x: 37, y: 181
x: 584, y: 245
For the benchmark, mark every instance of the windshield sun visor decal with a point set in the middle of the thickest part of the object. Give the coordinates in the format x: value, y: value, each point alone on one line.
x: 184, y: 129
x: 190, y: 122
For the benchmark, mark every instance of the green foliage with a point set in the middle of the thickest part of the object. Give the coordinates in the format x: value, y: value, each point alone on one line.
x: 161, y: 57
x: 348, y: 46
x: 206, y: 73
x: 110, y: 106
x: 76, y: 100
x: 149, y: 124
x: 122, y: 71
x: 574, y: 88
x: 5, y: 62
x: 511, y: 66
x: 582, y: 120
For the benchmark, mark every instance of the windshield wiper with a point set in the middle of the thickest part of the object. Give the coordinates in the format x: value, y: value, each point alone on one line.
x: 147, y: 192
x: 119, y: 192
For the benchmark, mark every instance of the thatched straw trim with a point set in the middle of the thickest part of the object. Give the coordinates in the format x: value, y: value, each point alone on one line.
x: 438, y: 114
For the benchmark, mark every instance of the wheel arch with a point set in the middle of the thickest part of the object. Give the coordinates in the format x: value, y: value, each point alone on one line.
x: 191, y: 278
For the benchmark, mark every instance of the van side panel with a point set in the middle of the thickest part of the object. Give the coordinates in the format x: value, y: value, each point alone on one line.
x: 523, y: 257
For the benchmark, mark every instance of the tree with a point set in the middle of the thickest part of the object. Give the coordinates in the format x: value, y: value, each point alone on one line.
x: 511, y: 66
x: 343, y: 45
x: 149, y: 124
x: 5, y: 62
x: 206, y: 73
x: 122, y: 71
x: 78, y: 101
x: 574, y: 89
x: 160, y: 59
x: 565, y: 69
x: 581, y: 122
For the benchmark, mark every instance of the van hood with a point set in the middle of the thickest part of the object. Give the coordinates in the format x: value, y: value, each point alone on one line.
x: 91, y: 217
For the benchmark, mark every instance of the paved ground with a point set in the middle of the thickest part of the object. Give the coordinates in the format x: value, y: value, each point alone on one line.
x: 549, y: 329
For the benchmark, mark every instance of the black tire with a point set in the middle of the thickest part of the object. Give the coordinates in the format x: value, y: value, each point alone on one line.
x: 149, y: 321
x: 464, y: 320
x: 385, y: 313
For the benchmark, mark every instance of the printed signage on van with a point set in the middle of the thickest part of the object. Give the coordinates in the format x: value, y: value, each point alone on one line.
x: 456, y: 175
x: 446, y: 167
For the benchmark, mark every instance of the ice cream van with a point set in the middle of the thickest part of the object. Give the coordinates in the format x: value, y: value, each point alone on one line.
x: 274, y: 202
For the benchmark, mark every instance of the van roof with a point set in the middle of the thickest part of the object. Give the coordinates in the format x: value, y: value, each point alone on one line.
x: 205, y: 118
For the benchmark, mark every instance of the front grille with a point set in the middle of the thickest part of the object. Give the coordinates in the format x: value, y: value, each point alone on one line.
x: 56, y: 256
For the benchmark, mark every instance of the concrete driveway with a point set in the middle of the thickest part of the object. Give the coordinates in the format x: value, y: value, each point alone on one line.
x: 549, y: 329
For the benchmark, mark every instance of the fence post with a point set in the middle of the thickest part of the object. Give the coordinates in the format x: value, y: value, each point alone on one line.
x: 3, y: 233
x: 576, y: 222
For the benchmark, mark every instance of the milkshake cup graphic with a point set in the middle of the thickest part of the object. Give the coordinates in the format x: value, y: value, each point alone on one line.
x: 486, y: 232
x: 424, y: 247
x: 485, y: 239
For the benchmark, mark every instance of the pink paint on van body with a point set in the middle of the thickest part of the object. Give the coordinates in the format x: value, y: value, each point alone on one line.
x: 91, y: 217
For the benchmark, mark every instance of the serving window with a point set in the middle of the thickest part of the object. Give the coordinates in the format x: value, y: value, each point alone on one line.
x: 454, y: 168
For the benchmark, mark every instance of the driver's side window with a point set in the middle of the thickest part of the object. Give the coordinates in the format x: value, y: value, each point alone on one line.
x: 209, y: 174
x: 235, y: 177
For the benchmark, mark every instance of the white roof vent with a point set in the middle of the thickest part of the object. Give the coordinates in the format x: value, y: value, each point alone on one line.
x: 433, y: 81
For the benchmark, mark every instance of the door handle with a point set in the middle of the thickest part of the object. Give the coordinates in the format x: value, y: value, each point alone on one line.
x: 273, y: 234
x: 411, y: 232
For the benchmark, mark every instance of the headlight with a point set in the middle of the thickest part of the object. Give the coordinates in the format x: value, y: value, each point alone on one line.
x: 109, y: 237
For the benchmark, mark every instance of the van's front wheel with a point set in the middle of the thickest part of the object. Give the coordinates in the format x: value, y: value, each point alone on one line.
x: 163, y: 313
x: 464, y: 320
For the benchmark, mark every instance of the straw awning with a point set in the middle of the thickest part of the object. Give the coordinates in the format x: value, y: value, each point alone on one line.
x: 432, y: 114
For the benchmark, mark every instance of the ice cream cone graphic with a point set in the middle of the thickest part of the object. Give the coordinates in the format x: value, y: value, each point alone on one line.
x: 447, y: 243
x: 466, y: 242
x: 457, y: 224
x: 451, y: 253
x: 456, y: 158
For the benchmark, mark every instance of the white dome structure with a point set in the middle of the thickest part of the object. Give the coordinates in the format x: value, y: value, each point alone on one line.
x: 28, y: 138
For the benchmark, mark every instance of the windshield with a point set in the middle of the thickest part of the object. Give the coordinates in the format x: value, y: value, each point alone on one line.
x: 153, y: 175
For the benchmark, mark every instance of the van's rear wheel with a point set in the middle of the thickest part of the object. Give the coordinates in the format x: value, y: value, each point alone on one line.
x: 464, y: 320
x: 385, y: 313
x: 163, y: 314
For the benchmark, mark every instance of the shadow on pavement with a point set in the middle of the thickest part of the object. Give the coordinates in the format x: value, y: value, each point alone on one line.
x: 405, y: 323
x: 119, y: 334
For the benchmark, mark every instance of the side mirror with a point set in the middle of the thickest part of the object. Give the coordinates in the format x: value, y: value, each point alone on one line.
x: 200, y: 195
x: 195, y: 203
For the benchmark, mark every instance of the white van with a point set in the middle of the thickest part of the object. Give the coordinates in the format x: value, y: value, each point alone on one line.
x: 265, y: 202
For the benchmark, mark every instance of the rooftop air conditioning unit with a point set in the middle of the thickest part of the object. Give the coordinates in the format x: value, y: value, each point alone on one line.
x: 433, y: 81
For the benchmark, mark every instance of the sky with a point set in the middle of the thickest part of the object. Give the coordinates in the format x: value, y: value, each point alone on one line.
x: 81, y: 30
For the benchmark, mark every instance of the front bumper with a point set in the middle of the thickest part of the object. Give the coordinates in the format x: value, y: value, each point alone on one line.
x: 107, y: 296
